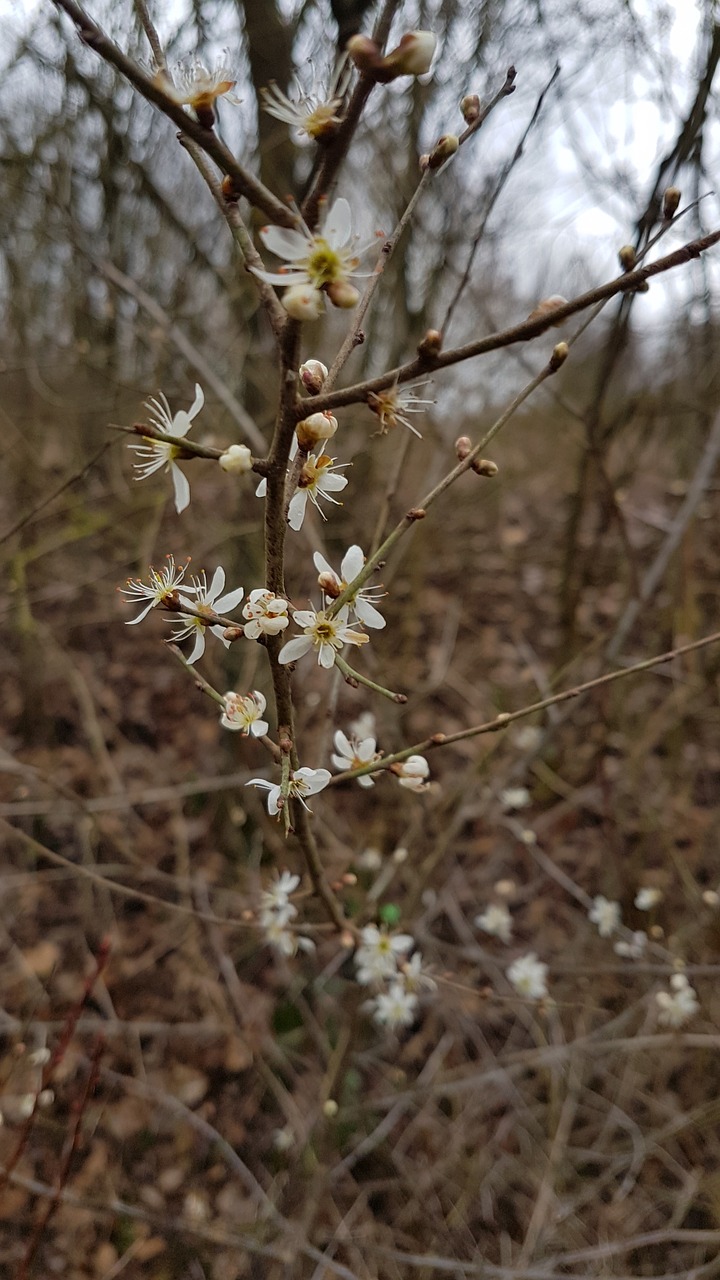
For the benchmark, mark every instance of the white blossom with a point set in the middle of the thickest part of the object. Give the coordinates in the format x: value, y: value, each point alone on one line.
x: 277, y: 896
x: 605, y: 914
x: 160, y: 586
x: 647, y: 898
x: 496, y: 921
x: 324, y: 261
x: 394, y: 405
x: 515, y: 798
x: 333, y: 584
x: 634, y: 947
x: 244, y: 713
x: 193, y: 84
x: 157, y: 454
x: 528, y: 975
x: 377, y: 957
x: 237, y: 460
x: 210, y: 600
x: 413, y: 977
x: 318, y: 479
x: 394, y: 1008
x: 303, y: 782
x: 310, y: 113
x: 353, y: 754
x: 266, y: 614
x: 327, y: 635
x: 413, y: 773
x: 679, y: 1005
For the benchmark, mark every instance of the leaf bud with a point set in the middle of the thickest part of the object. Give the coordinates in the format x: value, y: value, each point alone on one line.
x: 431, y: 343
x: 302, y: 302
x: 470, y: 108
x: 444, y: 148
x: 628, y: 257
x: 343, y: 294
x: 237, y: 460
x: 484, y: 467
x: 316, y: 428
x: 312, y: 375
x: 671, y: 200
x: 547, y: 306
x: 559, y: 356
x: 463, y: 445
x: 364, y: 52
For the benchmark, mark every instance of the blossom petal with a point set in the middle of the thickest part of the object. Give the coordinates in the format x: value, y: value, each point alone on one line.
x: 368, y: 614
x: 305, y: 617
x: 181, y: 486
x: 199, y: 646
x: 197, y: 403
x: 227, y: 603
x: 338, y: 224
x: 321, y: 563
x: 259, y: 728
x: 216, y: 585
x: 294, y: 649
x: 296, y: 509
x: 284, y: 243
x: 326, y: 656
x: 314, y: 779
x: 143, y: 614
x: 331, y: 484
x: 342, y: 744
x: 281, y: 277
x: 352, y: 563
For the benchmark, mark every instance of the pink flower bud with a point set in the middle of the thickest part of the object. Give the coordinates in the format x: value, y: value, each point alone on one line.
x: 316, y: 428
x: 312, y: 375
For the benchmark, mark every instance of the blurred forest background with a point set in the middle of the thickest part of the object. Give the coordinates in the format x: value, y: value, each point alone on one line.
x: 491, y: 1139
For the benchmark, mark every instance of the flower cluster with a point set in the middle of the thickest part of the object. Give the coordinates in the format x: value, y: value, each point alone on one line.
x: 333, y: 584
x: 208, y: 600
x: 313, y: 115
x: 496, y: 921
x: 678, y: 1005
x: 605, y: 914
x: 317, y: 265
x: 243, y: 714
x: 354, y: 753
x: 380, y: 963
x: 266, y: 614
x: 277, y: 912
x: 303, y: 782
x: 325, y: 634
x: 528, y: 975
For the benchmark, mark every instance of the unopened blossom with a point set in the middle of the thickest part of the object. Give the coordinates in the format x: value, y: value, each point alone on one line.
x: 605, y: 914
x: 379, y: 954
x: 632, y: 948
x: 414, y: 54
x: 318, y: 479
x: 515, y: 798
x: 315, y: 430
x: 394, y: 1008
x: 303, y: 302
x: 327, y: 635
x: 303, y: 782
x: 310, y: 113
x: 207, y: 600
x: 547, y: 307
x: 678, y: 1005
x: 266, y: 613
x: 237, y: 460
x: 244, y: 713
x: 353, y: 754
x: 333, y: 584
x: 496, y: 921
x: 312, y: 375
x: 161, y: 454
x: 159, y: 588
x: 394, y: 405
x: 195, y: 85
x: 413, y: 773
x: 647, y: 898
x: 324, y: 261
x: 528, y: 975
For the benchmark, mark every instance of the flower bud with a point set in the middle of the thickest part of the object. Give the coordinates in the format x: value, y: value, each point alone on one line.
x: 463, y: 445
x: 413, y: 55
x: 642, y: 287
x: 302, y: 302
x: 312, y: 430
x: 364, y: 52
x: 312, y: 375
x: 470, y: 108
x: 233, y: 633
x: 330, y: 1109
x: 237, y: 460
x: 559, y: 356
x: 671, y: 200
x: 444, y: 148
x: 547, y: 306
x: 431, y: 343
x: 329, y: 585
x: 484, y: 467
x: 342, y: 294
x: 628, y: 257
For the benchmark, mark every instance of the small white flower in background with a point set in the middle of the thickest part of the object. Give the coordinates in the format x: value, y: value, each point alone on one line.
x: 679, y: 1005
x: 160, y: 585
x: 393, y: 406
x: 310, y: 113
x: 266, y: 614
x: 324, y: 261
x: 514, y: 798
x: 327, y: 635
x: 647, y: 898
x: 243, y: 713
x: 318, y: 479
x: 333, y: 584
x: 413, y: 773
x: 394, y: 1008
x: 277, y: 935
x: 528, y: 975
x: 157, y: 454
x: 370, y: 859
x: 634, y: 949
x: 496, y: 921
x: 605, y: 914
x: 210, y: 600
x: 352, y: 754
x: 315, y: 430
x: 237, y: 460
x: 277, y: 896
x: 528, y: 737
x: 312, y: 375
x: 39, y: 1057
x: 413, y: 977
x: 303, y: 782
x: 193, y: 84
x: 283, y: 1139
x: 363, y: 726
x: 379, y: 954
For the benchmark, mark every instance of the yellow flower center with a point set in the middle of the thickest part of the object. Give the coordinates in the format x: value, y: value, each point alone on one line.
x: 324, y: 266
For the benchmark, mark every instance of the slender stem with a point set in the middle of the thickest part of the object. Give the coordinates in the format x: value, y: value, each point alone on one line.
x: 356, y: 677
x: 201, y: 683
